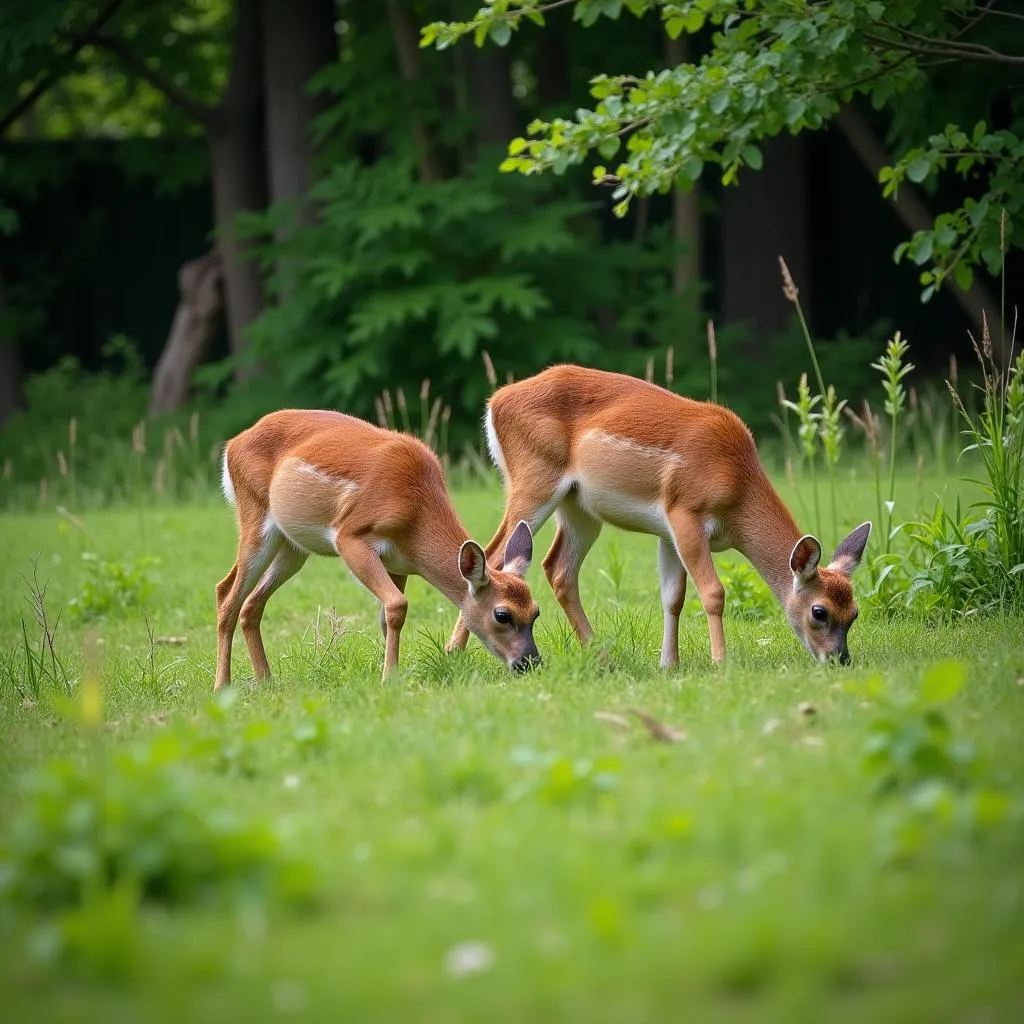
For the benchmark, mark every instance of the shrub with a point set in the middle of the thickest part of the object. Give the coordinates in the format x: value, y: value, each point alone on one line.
x: 975, y: 561
x: 138, y: 819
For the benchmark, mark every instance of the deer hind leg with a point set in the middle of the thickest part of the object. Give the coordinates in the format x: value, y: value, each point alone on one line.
x: 287, y: 562
x: 672, y: 574
x: 695, y: 552
x: 575, y: 536
x: 368, y: 569
x: 258, y: 544
x: 534, y: 504
x: 400, y: 582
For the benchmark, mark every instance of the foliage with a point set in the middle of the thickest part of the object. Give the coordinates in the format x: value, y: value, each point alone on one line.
x: 77, y: 443
x: 110, y: 587
x: 912, y: 745
x: 403, y: 281
x: 975, y: 562
x: 913, y: 755
x: 95, y: 90
x: 137, y: 818
x: 893, y: 369
x: 775, y: 67
x: 746, y: 595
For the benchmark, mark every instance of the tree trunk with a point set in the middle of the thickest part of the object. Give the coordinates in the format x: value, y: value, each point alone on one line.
x: 491, y: 82
x: 298, y: 40
x: 763, y: 217
x: 10, y: 365
x: 239, y: 172
x: 406, y: 37
x: 199, y: 282
x: 552, y: 67
x: 686, y: 224
x: 910, y: 209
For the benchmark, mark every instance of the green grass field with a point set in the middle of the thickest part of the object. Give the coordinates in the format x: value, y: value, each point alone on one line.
x: 489, y: 847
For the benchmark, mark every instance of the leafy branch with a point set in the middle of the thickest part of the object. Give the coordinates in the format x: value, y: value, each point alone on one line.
x: 59, y: 68
x: 772, y: 67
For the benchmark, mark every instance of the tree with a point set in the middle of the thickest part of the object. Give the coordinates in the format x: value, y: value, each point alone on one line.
x: 775, y: 66
x: 235, y: 71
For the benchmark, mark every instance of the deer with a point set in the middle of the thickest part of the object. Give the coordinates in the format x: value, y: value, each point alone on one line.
x: 595, y: 447
x: 321, y: 482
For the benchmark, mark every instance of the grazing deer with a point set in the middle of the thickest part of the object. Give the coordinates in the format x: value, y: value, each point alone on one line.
x: 315, y: 482
x: 595, y: 447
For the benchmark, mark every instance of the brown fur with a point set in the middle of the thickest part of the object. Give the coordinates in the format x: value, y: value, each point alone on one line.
x: 600, y: 447
x: 313, y: 481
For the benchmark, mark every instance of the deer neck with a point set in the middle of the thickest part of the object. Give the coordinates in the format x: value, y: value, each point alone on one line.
x: 435, y: 552
x: 766, y: 535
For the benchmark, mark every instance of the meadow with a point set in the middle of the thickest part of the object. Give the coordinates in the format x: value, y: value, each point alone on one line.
x: 598, y: 840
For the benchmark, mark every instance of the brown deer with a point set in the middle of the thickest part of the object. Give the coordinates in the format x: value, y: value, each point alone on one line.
x: 317, y: 482
x: 595, y: 447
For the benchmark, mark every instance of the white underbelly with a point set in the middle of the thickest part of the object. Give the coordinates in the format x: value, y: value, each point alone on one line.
x: 622, y: 510
x: 392, y: 559
x: 317, y: 540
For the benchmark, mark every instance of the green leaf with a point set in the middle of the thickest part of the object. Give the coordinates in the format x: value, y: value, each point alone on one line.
x: 753, y: 157
x: 517, y: 145
x: 693, y: 168
x: 500, y: 33
x: 919, y: 169
x: 674, y: 27
x: 963, y: 275
x: 609, y: 147
x: 719, y: 102
x: 943, y: 681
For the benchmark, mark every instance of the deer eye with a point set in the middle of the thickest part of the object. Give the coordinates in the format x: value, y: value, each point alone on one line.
x: 818, y: 613
x: 503, y: 616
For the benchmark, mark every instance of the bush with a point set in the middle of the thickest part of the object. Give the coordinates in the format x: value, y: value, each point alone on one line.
x: 83, y: 439
x: 138, y: 819
x: 975, y: 562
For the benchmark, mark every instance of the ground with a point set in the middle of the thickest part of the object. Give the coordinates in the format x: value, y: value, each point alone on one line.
x: 491, y: 847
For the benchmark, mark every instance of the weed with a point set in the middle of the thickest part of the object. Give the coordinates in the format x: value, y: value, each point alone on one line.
x: 975, y: 561
x: 32, y: 665
x: 137, y: 818
x: 111, y: 587
x: 893, y: 370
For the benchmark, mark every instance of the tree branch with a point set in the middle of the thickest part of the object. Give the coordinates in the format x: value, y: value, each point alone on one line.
x: 201, y: 113
x: 51, y: 78
x: 911, y: 42
x: 1003, y: 14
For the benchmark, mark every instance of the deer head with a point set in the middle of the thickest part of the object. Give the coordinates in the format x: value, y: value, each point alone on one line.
x: 821, y: 608
x: 498, y: 607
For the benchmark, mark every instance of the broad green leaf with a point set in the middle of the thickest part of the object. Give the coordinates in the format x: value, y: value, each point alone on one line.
x: 753, y: 157
x: 500, y: 33
x: 919, y: 169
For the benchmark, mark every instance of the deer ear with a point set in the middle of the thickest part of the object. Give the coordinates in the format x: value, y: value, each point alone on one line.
x: 473, y: 566
x: 851, y: 550
x: 518, y: 550
x: 804, y: 559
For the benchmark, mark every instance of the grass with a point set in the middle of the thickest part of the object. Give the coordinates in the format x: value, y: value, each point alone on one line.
x: 743, y: 872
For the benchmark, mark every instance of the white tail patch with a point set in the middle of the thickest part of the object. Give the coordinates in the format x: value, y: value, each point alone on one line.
x: 225, y: 480
x: 493, y: 445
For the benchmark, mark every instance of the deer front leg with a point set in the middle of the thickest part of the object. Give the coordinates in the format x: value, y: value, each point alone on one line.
x: 692, y: 546
x: 400, y: 582
x: 672, y: 575
x: 367, y: 567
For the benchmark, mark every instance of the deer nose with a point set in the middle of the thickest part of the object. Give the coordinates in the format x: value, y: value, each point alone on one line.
x: 525, y: 663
